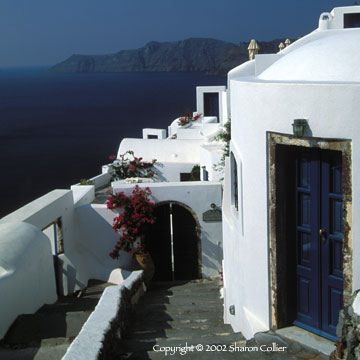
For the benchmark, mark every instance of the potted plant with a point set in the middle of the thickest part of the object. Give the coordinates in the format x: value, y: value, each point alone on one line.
x: 129, y: 166
x: 186, y: 120
x: 131, y: 224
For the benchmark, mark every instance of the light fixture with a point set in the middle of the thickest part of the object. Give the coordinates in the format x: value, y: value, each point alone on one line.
x: 232, y: 309
x: 299, y: 126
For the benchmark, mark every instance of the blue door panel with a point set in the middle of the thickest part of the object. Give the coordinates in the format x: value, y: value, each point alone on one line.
x: 319, y: 257
x: 307, y: 188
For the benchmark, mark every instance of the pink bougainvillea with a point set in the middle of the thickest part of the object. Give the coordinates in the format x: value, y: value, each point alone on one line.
x: 128, y: 165
x: 131, y: 223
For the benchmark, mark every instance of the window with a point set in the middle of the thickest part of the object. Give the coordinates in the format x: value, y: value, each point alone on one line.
x: 205, y: 174
x: 152, y: 136
x: 211, y: 104
x: 54, y: 232
x: 351, y: 20
x: 234, y: 183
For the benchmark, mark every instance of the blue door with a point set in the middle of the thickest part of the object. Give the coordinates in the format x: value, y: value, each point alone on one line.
x: 319, y: 240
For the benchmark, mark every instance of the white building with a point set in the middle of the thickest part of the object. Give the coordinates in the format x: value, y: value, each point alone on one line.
x: 291, y: 239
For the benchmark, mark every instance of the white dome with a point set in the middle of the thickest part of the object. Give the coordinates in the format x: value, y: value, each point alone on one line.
x: 335, y: 57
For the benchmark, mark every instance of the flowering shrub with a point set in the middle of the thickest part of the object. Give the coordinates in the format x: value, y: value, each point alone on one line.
x: 187, y: 118
x: 128, y: 165
x: 183, y: 121
x: 131, y: 223
x: 197, y: 116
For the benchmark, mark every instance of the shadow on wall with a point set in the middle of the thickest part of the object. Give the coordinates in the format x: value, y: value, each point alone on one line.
x: 95, y: 239
x: 211, y: 252
x: 159, y: 177
x: 70, y: 274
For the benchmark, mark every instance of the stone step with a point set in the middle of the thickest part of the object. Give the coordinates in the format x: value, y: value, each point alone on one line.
x: 179, y: 307
x: 142, y: 325
x: 129, y: 345
x: 29, y: 329
x: 186, y: 287
x: 184, y: 332
x: 195, y: 355
x: 178, y: 300
x: 34, y: 353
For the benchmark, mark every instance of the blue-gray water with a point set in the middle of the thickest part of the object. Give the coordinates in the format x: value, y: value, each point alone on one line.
x: 56, y: 129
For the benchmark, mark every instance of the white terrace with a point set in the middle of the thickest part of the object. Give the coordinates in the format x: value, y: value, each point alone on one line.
x: 74, y: 227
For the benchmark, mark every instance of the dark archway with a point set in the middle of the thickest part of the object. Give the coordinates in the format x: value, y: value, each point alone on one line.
x: 174, y: 243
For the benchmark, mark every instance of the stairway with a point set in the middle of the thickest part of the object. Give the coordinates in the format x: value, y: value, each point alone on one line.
x: 187, y: 319
x: 180, y: 314
x: 48, y: 333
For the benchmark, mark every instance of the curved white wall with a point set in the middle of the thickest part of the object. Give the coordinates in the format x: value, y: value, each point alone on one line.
x: 27, y: 278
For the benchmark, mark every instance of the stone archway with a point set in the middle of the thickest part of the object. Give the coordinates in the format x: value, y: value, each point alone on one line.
x: 175, y: 242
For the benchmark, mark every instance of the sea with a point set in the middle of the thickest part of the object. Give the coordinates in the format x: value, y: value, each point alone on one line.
x: 56, y: 128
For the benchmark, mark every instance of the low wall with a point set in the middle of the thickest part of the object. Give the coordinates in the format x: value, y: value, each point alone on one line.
x: 100, y: 335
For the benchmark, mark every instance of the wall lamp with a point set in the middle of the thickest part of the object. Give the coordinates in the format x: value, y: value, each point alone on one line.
x: 299, y: 126
x: 232, y: 309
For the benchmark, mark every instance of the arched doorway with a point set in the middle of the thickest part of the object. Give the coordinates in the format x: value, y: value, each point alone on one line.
x: 174, y: 243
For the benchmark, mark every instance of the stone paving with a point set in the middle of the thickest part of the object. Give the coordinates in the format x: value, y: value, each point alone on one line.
x: 185, y: 319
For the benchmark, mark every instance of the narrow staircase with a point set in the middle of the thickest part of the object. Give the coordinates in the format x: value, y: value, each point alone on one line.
x: 49, y: 332
x: 184, y: 320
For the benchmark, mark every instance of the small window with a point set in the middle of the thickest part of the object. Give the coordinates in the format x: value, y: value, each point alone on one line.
x: 325, y: 17
x: 211, y: 104
x: 152, y: 136
x: 351, y: 20
x: 205, y: 174
x: 234, y: 182
x: 54, y: 232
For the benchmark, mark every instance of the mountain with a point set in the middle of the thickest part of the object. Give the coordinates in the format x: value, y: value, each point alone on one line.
x: 210, y: 56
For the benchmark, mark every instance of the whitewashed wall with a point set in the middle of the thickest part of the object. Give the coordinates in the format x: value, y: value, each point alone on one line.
x: 95, y: 239
x: 258, y: 107
x: 27, y: 278
x: 211, y: 155
x: 88, y: 236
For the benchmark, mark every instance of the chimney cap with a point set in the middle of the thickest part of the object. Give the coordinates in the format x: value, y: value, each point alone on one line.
x: 253, y: 45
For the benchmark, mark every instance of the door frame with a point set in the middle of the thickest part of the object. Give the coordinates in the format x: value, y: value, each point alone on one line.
x: 344, y: 146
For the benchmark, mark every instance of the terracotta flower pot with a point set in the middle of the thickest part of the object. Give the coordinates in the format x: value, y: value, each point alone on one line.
x: 145, y: 262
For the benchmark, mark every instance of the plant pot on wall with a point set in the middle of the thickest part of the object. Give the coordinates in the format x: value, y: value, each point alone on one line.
x: 144, y: 262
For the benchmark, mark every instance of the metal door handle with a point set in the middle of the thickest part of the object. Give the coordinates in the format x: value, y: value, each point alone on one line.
x: 323, y: 235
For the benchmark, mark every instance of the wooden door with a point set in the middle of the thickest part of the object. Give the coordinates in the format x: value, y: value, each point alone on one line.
x: 319, y: 240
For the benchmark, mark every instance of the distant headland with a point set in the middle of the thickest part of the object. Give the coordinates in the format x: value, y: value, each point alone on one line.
x: 210, y: 56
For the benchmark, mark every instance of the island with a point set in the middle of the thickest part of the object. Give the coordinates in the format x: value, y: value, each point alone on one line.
x: 210, y: 56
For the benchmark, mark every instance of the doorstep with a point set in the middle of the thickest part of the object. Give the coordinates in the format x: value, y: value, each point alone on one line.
x: 308, y: 339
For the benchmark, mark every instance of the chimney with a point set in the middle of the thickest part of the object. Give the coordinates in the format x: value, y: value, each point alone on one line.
x: 253, y: 49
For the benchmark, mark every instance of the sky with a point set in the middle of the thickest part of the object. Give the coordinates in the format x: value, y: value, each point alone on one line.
x: 45, y: 32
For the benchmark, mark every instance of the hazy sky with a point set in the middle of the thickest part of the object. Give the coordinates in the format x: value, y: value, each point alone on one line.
x: 44, y: 32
